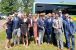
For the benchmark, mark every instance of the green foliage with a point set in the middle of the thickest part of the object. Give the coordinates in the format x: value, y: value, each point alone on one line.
x: 28, y: 5
x: 8, y: 6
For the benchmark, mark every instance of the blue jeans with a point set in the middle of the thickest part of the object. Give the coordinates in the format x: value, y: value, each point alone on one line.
x: 16, y: 35
x: 41, y: 35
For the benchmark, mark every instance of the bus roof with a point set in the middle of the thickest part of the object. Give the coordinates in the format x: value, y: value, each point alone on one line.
x: 61, y: 3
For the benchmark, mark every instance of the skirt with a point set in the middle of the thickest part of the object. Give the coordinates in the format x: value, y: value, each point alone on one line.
x: 24, y: 29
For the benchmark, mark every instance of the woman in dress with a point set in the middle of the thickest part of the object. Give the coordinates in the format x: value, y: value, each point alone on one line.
x: 8, y: 27
x: 35, y: 28
x: 24, y: 29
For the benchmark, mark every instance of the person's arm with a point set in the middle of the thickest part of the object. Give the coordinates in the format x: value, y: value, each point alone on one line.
x: 54, y: 25
x: 5, y: 25
x: 73, y: 26
x: 39, y: 24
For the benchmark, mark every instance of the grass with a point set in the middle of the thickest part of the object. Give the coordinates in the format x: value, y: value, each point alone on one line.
x: 32, y: 46
x: 74, y: 17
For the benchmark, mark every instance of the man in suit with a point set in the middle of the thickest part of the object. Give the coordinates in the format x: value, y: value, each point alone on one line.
x: 48, y: 27
x: 58, y: 29
x: 16, y: 29
x: 69, y: 30
x: 53, y: 33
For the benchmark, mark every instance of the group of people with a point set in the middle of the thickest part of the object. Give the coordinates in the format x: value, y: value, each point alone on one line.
x: 24, y: 26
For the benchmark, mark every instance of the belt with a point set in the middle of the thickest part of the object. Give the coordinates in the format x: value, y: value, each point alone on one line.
x: 59, y: 28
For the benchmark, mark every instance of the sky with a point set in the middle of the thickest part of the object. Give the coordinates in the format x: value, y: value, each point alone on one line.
x: 55, y: 0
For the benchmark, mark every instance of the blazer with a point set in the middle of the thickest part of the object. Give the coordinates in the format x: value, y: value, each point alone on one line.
x: 72, y: 27
x: 16, y: 23
x: 58, y: 25
x: 48, y: 24
x: 41, y: 24
x: 66, y: 26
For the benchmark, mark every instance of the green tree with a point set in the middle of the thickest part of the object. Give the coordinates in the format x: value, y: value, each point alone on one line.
x: 28, y: 5
x: 8, y: 6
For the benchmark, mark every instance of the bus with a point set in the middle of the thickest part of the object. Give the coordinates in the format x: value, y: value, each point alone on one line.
x: 46, y: 7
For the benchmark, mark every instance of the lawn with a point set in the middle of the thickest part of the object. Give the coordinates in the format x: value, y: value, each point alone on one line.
x: 31, y: 46
x: 74, y: 17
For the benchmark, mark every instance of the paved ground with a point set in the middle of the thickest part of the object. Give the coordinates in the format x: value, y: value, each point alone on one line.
x: 1, y: 24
